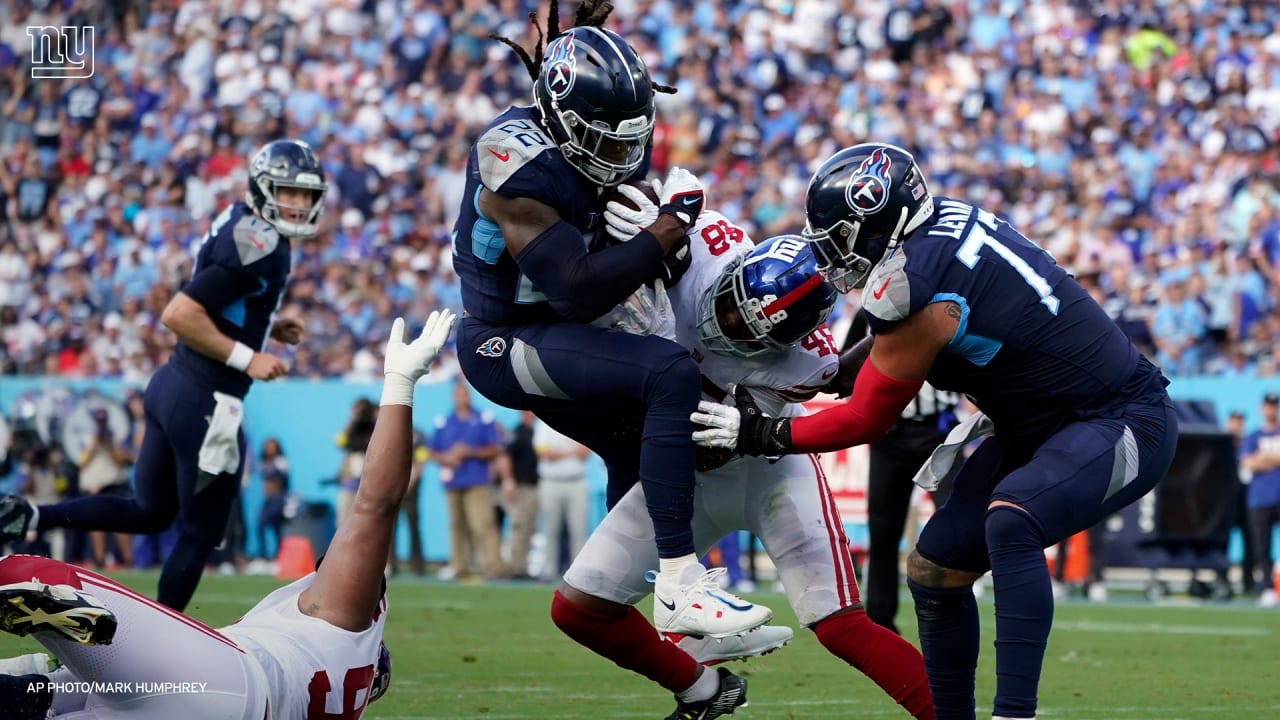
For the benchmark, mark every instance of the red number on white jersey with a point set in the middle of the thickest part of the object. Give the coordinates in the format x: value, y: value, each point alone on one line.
x: 356, y: 680
x: 820, y: 341
x: 719, y: 236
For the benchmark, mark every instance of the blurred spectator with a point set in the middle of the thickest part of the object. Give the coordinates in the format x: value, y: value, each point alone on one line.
x: 354, y: 441
x: 562, y: 495
x: 409, y: 508
x: 465, y: 444
x: 1261, y: 456
x: 274, y: 471
x: 521, y: 496
x: 104, y: 471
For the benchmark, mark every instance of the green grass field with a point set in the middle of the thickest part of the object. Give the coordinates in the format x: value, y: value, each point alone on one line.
x: 492, y: 652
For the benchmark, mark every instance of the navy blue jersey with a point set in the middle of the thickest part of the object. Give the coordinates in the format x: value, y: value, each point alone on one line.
x: 1033, y: 349
x: 515, y: 157
x: 240, y: 274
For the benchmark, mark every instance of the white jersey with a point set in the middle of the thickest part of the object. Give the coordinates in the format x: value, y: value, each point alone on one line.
x: 775, y: 380
x: 312, y: 667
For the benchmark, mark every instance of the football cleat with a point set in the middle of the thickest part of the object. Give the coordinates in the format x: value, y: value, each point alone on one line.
x: 17, y: 516
x: 713, y: 651
x: 29, y: 607
x: 731, y: 695
x: 699, y: 605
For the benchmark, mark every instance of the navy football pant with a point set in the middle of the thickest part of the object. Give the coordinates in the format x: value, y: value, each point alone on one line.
x: 167, y: 484
x: 602, y: 388
x: 1080, y: 475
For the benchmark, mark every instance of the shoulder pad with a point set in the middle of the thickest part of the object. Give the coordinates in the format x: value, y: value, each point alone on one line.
x: 506, y: 148
x: 887, y: 295
x: 254, y: 238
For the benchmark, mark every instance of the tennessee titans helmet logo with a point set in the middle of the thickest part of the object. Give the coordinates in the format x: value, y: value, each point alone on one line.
x: 492, y: 348
x: 868, y: 191
x: 561, y: 66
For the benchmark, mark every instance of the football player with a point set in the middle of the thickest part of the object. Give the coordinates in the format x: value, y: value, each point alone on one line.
x: 535, y: 275
x: 753, y: 318
x: 958, y: 297
x: 192, y: 454
x: 311, y: 649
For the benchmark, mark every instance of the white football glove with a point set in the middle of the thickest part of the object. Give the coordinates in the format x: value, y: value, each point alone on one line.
x: 405, y: 363
x: 682, y: 196
x: 648, y: 312
x: 722, y: 424
x: 622, y: 223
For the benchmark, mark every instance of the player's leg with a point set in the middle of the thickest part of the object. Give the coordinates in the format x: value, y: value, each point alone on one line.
x: 221, y: 680
x: 1082, y: 474
x: 950, y: 555
x: 594, y: 607
x: 789, y: 506
x: 204, y: 499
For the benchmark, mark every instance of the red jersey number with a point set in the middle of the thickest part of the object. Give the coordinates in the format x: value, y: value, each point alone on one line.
x: 821, y: 342
x: 720, y: 236
x: 355, y: 681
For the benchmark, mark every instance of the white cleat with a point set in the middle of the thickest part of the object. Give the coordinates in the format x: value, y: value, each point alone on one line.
x: 713, y: 651
x: 699, y: 605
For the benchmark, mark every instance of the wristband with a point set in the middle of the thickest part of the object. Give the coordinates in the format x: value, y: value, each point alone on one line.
x: 397, y: 390
x: 240, y: 357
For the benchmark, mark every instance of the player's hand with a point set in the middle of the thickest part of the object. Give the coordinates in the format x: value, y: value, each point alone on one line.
x: 621, y: 222
x: 287, y: 330
x: 744, y: 428
x: 682, y: 196
x: 649, y: 312
x: 265, y: 366
x: 412, y: 360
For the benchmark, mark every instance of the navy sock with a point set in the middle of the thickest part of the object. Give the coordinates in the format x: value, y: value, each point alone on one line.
x: 25, y: 697
x: 182, y: 571
x: 106, y: 512
x: 1024, y: 609
x: 666, y: 455
x: 949, y: 632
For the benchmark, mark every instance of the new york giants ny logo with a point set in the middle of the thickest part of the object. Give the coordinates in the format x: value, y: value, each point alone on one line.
x: 61, y: 52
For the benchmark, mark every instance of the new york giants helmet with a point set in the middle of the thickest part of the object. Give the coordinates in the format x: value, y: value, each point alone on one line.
x: 766, y: 301
x: 286, y: 164
x: 860, y: 202
x: 596, y: 99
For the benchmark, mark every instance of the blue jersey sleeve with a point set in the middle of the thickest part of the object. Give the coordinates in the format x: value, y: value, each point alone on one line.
x: 515, y: 158
x: 895, y: 291
x: 237, y: 258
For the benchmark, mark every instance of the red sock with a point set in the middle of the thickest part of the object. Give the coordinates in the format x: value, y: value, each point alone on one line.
x: 880, y: 654
x: 629, y: 641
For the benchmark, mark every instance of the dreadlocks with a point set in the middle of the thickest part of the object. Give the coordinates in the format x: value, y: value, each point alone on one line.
x: 591, y: 13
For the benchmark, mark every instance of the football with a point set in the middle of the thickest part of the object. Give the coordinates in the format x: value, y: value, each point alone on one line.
x: 644, y: 186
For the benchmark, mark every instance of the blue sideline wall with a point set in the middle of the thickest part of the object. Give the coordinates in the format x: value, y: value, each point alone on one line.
x: 307, y: 416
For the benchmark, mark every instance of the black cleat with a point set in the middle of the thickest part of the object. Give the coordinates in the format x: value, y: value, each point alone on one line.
x: 731, y: 695
x: 16, y: 515
x: 29, y: 607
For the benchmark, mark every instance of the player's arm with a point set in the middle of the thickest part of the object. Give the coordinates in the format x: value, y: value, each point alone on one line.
x: 895, y: 370
x: 348, y: 584
x: 580, y: 285
x: 851, y: 361
x: 189, y: 319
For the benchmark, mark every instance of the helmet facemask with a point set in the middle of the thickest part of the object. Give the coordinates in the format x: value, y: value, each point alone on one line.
x: 284, y: 217
x: 838, y: 264
x: 606, y: 156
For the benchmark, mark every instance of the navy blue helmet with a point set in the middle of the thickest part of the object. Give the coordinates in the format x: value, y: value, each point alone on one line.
x: 766, y: 301
x: 287, y: 164
x: 382, y: 676
x: 596, y: 99
x: 861, y: 201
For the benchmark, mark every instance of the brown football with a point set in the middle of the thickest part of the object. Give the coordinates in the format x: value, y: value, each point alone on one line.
x: 644, y: 186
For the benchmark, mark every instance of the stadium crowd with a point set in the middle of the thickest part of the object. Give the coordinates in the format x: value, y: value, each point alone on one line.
x: 1133, y: 139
